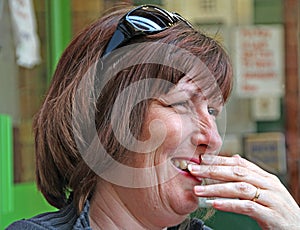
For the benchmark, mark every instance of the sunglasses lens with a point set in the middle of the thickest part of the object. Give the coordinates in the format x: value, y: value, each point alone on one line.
x: 150, y: 19
x: 146, y: 19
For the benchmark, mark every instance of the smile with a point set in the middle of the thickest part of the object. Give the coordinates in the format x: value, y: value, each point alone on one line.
x: 182, y: 164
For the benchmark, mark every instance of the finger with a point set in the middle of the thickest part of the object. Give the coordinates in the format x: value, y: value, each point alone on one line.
x: 235, y: 160
x: 229, y: 170
x: 240, y: 190
x: 228, y: 174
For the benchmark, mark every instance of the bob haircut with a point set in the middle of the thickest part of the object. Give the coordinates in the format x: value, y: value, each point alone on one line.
x: 62, y: 173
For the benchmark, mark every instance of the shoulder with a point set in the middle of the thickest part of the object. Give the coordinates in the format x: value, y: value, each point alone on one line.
x: 26, y: 225
x: 62, y: 219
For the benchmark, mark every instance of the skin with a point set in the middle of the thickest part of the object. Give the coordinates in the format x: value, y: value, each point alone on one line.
x: 189, y: 121
x: 275, y: 208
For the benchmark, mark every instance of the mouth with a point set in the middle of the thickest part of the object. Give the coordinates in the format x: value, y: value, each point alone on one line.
x: 182, y: 164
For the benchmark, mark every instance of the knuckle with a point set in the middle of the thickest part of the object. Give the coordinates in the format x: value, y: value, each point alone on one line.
x: 249, y: 207
x: 274, y: 183
x: 212, y: 170
x: 244, y: 188
x: 222, y: 161
x: 274, y: 178
x: 241, y: 161
x: 239, y: 171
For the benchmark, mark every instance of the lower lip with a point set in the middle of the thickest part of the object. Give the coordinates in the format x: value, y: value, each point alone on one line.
x: 187, y: 174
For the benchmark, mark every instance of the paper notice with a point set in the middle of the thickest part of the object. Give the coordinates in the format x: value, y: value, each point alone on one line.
x: 26, y: 38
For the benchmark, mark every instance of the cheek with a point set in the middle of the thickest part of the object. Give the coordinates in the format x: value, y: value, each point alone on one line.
x: 172, y: 126
x: 174, y: 131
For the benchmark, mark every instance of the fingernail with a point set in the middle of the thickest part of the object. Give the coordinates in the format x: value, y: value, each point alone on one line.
x: 193, y: 168
x: 209, y: 203
x: 199, y: 189
x: 205, y: 203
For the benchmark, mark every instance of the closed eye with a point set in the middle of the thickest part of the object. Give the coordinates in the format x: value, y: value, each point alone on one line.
x: 181, y: 107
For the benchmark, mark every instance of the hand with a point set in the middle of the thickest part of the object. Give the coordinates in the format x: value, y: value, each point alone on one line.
x: 259, y: 194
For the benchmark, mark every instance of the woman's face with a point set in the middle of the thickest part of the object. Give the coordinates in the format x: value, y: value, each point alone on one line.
x: 187, y: 120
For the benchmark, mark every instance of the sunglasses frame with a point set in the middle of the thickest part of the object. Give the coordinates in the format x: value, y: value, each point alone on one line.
x: 126, y: 29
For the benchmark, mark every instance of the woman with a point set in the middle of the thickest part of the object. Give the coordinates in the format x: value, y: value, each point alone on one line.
x: 127, y: 137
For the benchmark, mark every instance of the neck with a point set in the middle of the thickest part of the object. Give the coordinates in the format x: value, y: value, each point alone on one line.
x: 108, y: 211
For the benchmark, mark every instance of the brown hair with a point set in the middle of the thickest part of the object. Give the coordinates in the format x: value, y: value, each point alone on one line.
x: 60, y: 167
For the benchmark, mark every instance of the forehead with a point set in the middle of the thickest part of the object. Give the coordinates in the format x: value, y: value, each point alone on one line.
x: 193, y: 88
x: 199, y: 85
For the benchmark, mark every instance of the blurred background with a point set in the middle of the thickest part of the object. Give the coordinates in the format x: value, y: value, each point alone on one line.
x: 261, y: 121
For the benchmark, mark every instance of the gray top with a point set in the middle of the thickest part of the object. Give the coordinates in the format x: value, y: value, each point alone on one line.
x: 67, y: 219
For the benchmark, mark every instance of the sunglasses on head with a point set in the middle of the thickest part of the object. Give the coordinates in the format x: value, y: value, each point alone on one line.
x: 142, y: 20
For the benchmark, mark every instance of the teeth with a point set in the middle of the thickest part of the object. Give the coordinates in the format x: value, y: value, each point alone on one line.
x: 176, y: 163
x: 182, y: 164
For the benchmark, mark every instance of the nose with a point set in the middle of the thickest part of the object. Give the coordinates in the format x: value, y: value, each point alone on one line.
x: 206, y: 137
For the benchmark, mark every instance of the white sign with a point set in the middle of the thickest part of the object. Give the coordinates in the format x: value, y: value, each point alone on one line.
x: 259, y: 57
x: 27, y: 41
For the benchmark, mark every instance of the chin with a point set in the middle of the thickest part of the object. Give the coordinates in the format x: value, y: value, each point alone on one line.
x: 181, y: 215
x: 182, y: 205
x: 186, y: 205
x: 188, y: 209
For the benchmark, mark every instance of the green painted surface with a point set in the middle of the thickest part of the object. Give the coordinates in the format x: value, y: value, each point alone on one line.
x: 268, y: 11
x: 6, y: 177
x: 28, y: 202
x: 228, y: 221
x: 142, y: 2
x: 19, y: 201
x: 59, y: 31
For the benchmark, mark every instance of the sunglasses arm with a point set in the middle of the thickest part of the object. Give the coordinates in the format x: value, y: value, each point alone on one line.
x: 117, y: 39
